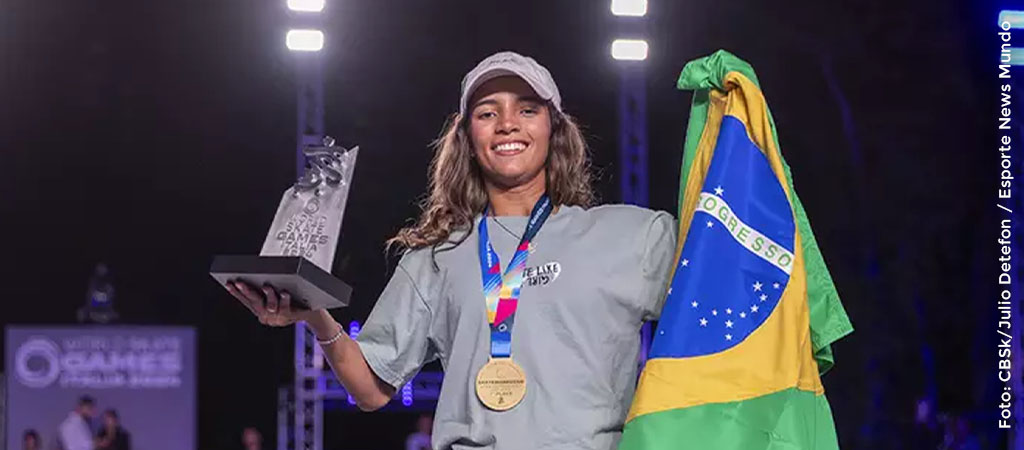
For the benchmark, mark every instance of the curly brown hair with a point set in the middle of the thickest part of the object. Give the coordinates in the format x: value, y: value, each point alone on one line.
x: 457, y: 191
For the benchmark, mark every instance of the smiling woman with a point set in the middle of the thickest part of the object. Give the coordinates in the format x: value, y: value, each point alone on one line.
x: 510, y: 128
x: 510, y: 161
x: 508, y: 141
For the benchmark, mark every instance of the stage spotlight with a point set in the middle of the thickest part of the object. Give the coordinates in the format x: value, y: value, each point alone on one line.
x: 305, y: 40
x: 306, y: 5
x: 1015, y: 18
x: 636, y: 8
x: 629, y: 49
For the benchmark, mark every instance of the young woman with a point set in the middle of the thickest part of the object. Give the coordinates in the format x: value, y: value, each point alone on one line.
x: 508, y: 237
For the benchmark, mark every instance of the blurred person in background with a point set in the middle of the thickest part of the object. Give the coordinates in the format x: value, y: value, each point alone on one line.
x: 958, y: 434
x: 927, y: 431
x: 112, y: 436
x: 252, y: 439
x: 75, y: 432
x: 420, y: 440
x: 30, y: 440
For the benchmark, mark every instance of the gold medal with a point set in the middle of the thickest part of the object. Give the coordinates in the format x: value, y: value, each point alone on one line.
x: 501, y: 384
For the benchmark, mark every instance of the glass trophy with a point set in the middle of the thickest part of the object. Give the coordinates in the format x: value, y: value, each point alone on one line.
x: 298, y: 252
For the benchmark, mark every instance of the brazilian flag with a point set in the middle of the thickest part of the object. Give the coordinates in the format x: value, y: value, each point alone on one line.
x: 745, y: 331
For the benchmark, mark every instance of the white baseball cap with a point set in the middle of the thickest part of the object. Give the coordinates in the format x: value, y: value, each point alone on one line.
x: 510, y: 63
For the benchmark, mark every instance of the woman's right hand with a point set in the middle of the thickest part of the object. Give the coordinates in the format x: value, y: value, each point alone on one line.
x: 343, y: 354
x: 270, y: 307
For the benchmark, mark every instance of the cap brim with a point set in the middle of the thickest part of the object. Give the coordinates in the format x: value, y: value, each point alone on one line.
x: 491, y: 74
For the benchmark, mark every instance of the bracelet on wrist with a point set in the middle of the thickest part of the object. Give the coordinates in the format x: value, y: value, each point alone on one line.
x: 333, y: 339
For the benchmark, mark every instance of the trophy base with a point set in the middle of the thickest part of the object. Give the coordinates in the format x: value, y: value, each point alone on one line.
x: 309, y: 285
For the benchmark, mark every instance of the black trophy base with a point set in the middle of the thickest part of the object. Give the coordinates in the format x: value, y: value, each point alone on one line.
x: 308, y: 284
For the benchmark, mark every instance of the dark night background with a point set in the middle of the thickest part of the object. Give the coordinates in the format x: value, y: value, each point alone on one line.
x: 153, y: 135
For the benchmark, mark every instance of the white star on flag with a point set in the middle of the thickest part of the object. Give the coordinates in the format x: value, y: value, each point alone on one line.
x: 776, y: 285
x: 728, y: 324
x: 703, y: 322
x: 710, y: 224
x: 743, y: 315
x: 714, y: 312
x: 686, y: 262
x: 764, y: 297
x: 669, y: 291
x: 728, y: 337
x: 694, y: 304
x: 719, y: 191
x: 728, y: 310
x: 757, y: 285
x: 753, y: 308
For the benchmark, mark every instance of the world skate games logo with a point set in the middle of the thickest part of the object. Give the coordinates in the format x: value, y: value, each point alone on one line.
x: 100, y: 362
x: 37, y: 362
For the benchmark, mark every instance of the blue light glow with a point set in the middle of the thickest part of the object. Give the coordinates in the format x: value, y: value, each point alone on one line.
x: 1015, y: 18
x: 407, y: 394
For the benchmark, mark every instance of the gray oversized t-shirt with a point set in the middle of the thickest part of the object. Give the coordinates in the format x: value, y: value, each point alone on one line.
x: 594, y: 276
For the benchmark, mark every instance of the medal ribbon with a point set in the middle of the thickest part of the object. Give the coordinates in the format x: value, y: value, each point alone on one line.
x: 502, y: 291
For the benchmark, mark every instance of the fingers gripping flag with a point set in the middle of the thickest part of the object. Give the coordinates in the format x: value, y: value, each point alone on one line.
x: 751, y: 310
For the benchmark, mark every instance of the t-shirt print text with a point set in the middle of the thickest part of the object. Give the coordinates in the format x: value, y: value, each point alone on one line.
x: 541, y: 275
